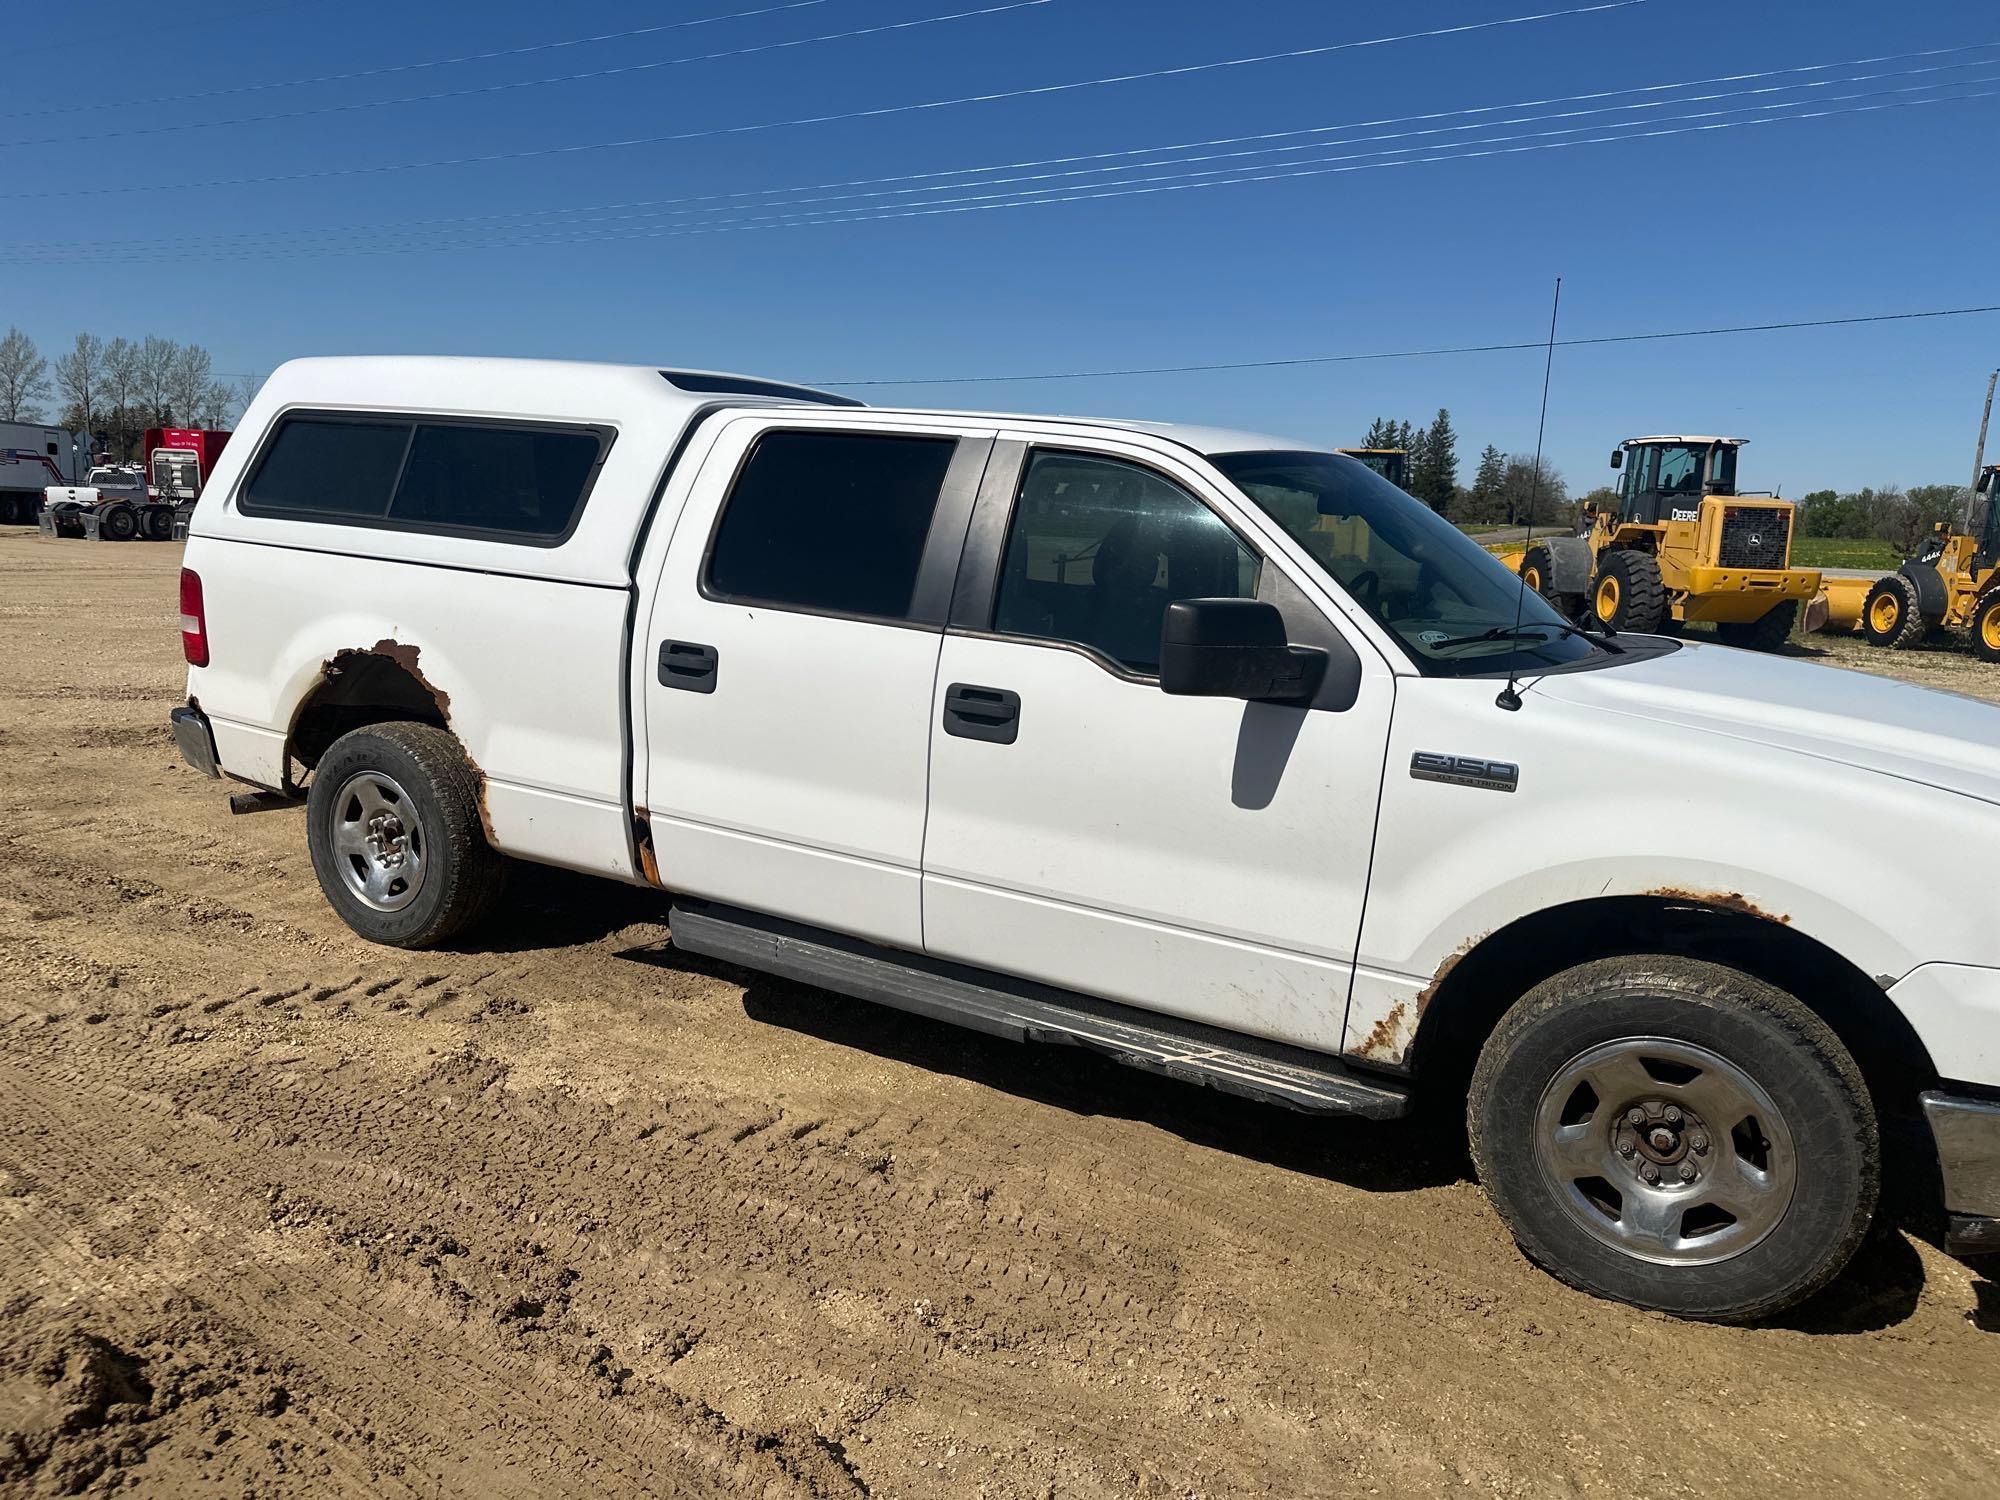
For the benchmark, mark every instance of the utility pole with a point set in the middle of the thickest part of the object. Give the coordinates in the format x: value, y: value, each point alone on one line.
x: 1979, y: 453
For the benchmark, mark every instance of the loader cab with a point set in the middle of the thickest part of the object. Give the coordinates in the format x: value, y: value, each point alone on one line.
x: 1665, y: 478
x: 1393, y: 464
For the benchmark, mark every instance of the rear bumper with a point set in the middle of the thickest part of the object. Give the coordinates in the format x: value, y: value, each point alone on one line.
x: 195, y: 739
x: 1967, y: 1133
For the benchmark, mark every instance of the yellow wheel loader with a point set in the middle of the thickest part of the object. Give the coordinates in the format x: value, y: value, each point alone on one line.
x: 1393, y: 464
x: 1952, y: 582
x: 1682, y: 546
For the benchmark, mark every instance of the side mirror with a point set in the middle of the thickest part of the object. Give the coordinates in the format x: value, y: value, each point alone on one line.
x: 1617, y: 458
x: 1235, y: 648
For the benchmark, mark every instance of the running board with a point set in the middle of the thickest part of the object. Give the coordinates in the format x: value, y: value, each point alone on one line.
x: 1023, y: 1012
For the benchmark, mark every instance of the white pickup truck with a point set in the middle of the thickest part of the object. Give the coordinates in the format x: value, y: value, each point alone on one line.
x: 111, y: 502
x: 1213, y: 752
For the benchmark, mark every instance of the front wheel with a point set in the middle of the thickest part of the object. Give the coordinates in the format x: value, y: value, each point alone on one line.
x: 1677, y: 1135
x: 392, y: 821
x: 1891, y: 616
x: 1986, y: 626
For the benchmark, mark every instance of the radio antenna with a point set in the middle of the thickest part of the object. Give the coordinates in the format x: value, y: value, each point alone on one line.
x: 1510, y: 695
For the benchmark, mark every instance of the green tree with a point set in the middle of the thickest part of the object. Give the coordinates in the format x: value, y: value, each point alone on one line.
x: 1381, y: 434
x: 1434, y: 464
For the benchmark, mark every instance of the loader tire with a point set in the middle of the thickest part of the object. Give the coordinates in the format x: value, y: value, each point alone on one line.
x: 1538, y: 571
x: 393, y: 824
x: 1627, y: 594
x: 1767, y: 634
x: 1675, y: 1134
x: 1891, y: 616
x: 1986, y: 626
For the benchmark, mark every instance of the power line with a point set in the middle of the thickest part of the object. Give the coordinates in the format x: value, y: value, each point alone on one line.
x: 621, y: 70
x: 930, y: 182
x: 1335, y: 359
x: 1452, y: 152
x: 97, y: 107
x: 824, y: 119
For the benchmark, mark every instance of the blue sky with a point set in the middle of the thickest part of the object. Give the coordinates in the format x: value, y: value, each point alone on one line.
x: 1859, y: 212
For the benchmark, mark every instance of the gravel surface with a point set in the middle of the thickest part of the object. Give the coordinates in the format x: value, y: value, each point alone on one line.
x: 283, y: 1214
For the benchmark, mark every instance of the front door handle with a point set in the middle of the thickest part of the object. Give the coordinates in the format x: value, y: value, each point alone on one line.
x: 686, y: 666
x: 982, y: 713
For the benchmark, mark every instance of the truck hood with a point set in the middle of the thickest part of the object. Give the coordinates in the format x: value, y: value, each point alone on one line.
x: 1874, y: 723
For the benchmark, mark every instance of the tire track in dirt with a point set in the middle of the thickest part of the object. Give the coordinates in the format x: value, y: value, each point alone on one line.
x: 485, y: 1212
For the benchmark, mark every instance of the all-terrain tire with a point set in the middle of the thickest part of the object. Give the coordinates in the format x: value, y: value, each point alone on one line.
x: 1768, y: 634
x: 1986, y: 626
x: 1815, y: 1126
x: 1891, y: 616
x: 1627, y: 593
x: 462, y: 875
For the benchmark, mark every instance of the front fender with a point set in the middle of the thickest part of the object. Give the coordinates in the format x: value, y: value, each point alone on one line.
x: 1605, y: 809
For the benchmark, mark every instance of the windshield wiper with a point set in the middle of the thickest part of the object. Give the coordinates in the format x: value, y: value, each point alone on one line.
x: 1520, y: 632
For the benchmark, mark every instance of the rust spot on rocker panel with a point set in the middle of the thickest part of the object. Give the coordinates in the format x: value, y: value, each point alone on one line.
x: 642, y: 840
x: 1722, y: 900
x: 1386, y: 1042
x: 1391, y: 1038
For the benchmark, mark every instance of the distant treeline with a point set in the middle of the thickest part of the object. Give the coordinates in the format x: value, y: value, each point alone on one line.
x: 115, y: 390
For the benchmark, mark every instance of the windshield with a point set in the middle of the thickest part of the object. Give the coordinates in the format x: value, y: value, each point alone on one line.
x: 1449, y: 602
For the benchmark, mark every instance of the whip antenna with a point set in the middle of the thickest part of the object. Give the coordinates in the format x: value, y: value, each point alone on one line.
x: 1510, y: 695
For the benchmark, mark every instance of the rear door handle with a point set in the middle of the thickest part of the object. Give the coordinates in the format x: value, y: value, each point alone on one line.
x: 686, y: 666
x: 982, y: 713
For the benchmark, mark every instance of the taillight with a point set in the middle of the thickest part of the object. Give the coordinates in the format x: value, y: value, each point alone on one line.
x: 194, y: 620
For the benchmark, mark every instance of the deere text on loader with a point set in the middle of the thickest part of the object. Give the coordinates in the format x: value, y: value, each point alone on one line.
x: 1952, y: 581
x: 1683, y: 546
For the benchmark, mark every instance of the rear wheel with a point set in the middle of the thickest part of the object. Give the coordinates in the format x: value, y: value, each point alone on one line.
x: 393, y: 825
x: 10, y: 510
x: 159, y: 522
x: 1891, y: 616
x: 1767, y: 634
x: 1677, y: 1135
x: 120, y: 523
x: 1628, y: 594
x: 1986, y: 626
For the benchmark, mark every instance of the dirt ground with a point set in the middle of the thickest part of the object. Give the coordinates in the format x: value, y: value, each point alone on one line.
x: 282, y: 1213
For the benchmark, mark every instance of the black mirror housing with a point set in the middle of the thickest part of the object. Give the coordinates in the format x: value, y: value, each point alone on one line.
x: 1235, y: 648
x: 1617, y: 458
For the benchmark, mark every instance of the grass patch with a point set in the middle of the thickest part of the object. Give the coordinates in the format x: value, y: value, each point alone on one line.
x: 1843, y: 552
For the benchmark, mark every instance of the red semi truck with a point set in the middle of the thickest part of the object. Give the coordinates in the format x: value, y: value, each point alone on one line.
x: 180, y: 459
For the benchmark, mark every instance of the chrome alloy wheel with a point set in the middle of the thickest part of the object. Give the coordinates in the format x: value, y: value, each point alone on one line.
x: 378, y: 841
x: 1665, y: 1151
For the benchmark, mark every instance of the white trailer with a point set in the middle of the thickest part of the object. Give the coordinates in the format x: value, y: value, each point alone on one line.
x: 33, y: 457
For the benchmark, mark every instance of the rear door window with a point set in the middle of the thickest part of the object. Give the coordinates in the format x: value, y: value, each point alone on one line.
x: 829, y: 522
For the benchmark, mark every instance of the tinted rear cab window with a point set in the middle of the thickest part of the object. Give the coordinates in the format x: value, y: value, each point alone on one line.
x: 511, y: 481
x: 831, y: 522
